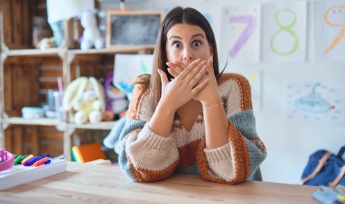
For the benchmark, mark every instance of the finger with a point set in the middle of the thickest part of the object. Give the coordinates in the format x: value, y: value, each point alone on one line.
x: 178, y: 69
x: 196, y: 79
x: 164, y: 78
x: 189, y: 68
x: 172, y: 72
x: 195, y: 71
x: 180, y: 65
x: 199, y: 87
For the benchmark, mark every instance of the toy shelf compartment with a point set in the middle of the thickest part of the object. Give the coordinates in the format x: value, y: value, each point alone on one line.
x: 31, y: 139
x: 95, y: 63
x: 86, y: 136
x: 20, y: 33
x: 17, y: 22
x: 26, y: 82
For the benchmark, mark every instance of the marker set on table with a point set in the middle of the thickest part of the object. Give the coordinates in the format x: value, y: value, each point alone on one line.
x: 31, y: 160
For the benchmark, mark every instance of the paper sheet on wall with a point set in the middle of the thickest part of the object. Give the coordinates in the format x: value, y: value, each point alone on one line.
x: 58, y: 10
x: 315, y: 103
x: 284, y: 32
x: 128, y: 67
x: 240, y: 33
x: 329, y: 24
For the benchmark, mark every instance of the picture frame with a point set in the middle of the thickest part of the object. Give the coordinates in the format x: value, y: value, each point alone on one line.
x: 131, y: 28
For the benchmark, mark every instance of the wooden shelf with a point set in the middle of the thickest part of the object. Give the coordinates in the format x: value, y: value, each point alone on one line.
x: 34, y: 52
x: 62, y: 125
x: 95, y: 126
x: 38, y: 121
x: 120, y: 49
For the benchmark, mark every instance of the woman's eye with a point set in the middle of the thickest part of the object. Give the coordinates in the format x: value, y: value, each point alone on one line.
x: 196, y: 43
x: 176, y: 44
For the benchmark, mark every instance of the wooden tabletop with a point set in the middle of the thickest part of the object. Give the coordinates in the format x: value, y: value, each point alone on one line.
x: 90, y: 183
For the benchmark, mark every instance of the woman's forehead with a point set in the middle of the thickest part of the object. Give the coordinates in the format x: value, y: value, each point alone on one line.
x: 184, y: 29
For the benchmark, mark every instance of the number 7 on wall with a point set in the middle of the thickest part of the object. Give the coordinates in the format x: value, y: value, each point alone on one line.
x: 248, y: 31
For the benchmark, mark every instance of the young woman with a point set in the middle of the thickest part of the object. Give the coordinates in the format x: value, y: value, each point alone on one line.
x: 187, y: 117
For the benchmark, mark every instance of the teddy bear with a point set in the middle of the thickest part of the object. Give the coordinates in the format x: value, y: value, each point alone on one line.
x: 115, y: 100
x: 85, y: 97
x: 91, y: 35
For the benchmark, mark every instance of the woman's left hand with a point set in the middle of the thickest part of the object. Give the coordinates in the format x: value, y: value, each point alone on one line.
x: 209, y: 90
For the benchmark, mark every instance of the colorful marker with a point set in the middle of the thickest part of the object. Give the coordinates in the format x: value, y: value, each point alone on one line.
x: 27, y: 158
x: 42, y: 161
x: 17, y: 159
x: 29, y: 161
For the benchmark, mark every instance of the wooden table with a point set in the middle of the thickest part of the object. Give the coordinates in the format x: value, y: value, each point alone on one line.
x: 90, y: 183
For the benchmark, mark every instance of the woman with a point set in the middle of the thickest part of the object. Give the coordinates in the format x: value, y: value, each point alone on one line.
x: 190, y: 118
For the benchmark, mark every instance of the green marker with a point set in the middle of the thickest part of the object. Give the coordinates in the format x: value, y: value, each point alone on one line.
x: 17, y: 159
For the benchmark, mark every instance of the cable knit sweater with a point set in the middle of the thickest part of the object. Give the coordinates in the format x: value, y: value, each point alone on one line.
x: 146, y: 156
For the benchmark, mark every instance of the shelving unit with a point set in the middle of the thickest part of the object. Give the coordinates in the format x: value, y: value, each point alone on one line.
x: 29, y: 73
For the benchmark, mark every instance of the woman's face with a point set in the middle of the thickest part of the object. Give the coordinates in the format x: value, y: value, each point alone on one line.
x: 187, y: 43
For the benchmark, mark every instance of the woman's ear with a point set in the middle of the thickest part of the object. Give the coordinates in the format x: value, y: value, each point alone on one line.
x: 211, y: 50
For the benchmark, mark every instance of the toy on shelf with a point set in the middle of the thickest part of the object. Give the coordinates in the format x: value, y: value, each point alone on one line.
x: 115, y: 100
x: 85, y: 97
x: 91, y: 35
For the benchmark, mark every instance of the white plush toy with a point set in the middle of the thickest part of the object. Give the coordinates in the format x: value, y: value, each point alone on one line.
x: 91, y: 35
x: 86, y: 97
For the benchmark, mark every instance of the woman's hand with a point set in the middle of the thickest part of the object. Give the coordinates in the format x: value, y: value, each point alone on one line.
x: 211, y: 89
x: 185, y: 86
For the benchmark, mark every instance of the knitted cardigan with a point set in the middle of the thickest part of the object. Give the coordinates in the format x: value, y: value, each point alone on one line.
x: 147, y: 157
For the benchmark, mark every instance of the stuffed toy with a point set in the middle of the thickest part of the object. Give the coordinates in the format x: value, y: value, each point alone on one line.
x: 85, y: 97
x: 91, y: 35
x: 111, y: 141
x: 46, y: 43
x: 115, y: 100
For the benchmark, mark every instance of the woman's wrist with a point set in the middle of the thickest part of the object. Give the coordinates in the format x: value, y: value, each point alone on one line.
x: 167, y: 108
x: 214, y: 106
x: 212, y: 101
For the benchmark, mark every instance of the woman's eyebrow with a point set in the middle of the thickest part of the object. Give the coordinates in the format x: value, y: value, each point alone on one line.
x: 175, y: 36
x: 198, y: 34
x: 193, y: 36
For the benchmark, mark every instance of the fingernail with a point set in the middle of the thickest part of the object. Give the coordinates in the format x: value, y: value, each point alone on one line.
x: 159, y: 71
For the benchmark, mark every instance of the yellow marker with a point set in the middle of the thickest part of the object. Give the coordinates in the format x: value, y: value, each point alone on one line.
x: 27, y: 158
x: 341, y: 197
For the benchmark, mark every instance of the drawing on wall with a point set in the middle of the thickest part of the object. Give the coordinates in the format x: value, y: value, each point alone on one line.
x: 128, y: 67
x: 284, y: 32
x: 329, y: 23
x: 315, y: 102
x: 240, y: 34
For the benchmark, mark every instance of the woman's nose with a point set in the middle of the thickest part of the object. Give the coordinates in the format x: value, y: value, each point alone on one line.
x: 187, y: 54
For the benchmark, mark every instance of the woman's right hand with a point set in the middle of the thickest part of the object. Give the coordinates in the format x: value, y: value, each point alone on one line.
x: 185, y: 86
